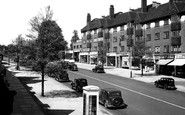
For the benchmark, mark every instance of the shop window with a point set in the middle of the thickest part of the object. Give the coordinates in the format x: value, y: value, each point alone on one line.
x: 166, y: 35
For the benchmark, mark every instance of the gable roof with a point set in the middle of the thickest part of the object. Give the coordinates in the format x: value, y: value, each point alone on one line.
x: 137, y: 16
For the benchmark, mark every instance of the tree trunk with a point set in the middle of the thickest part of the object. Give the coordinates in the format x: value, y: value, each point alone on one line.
x: 42, y: 69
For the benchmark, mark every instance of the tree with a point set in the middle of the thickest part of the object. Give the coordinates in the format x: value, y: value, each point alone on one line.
x: 19, y: 44
x: 36, y: 21
x: 48, y: 40
x: 102, y: 52
x: 139, y: 51
x: 74, y: 38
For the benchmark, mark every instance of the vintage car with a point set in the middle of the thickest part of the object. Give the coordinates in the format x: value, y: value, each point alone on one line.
x: 98, y: 69
x: 78, y: 84
x: 165, y: 82
x: 111, y: 98
x: 72, y: 66
x: 62, y: 76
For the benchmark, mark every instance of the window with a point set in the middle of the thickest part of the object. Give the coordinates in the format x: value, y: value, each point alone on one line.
x: 114, y: 49
x: 175, y: 18
x: 139, y: 38
x: 122, y: 48
x: 148, y: 37
x: 129, y: 25
x: 84, y: 34
x: 176, y: 48
x: 115, y: 29
x: 175, y: 33
x: 122, y: 28
x: 74, y: 47
x: 157, y: 36
x: 166, y: 22
x: 95, y: 48
x: 157, y: 49
x: 148, y: 26
x: 166, y: 35
x: 114, y: 39
x: 166, y: 49
x: 157, y: 24
x: 95, y: 31
x: 122, y: 38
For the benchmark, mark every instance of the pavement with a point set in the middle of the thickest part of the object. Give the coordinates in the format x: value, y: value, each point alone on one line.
x: 60, y: 99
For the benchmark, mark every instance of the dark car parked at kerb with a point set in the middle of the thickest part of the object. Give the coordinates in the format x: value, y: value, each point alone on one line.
x: 111, y: 98
x: 78, y: 84
x: 72, y: 66
x: 98, y: 69
x: 62, y: 76
x: 166, y: 83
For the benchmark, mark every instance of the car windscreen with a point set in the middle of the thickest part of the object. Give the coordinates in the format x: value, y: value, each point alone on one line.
x: 114, y: 94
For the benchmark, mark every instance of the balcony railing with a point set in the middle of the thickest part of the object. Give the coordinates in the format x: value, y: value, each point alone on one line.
x: 129, y: 42
x: 100, y: 43
x: 176, y: 40
x: 129, y: 31
x: 175, y: 26
x: 106, y: 35
x: 100, y: 34
x: 88, y: 45
x: 139, y: 32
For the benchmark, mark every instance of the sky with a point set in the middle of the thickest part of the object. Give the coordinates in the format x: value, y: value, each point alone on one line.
x: 70, y: 15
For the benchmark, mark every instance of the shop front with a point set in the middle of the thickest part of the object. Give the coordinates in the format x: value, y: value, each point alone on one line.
x: 163, y: 67
x: 179, y: 65
x: 93, y: 57
x: 83, y: 57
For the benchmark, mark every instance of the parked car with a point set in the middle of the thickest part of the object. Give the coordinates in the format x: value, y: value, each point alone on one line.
x: 62, y: 76
x: 165, y: 82
x: 78, y: 84
x: 111, y: 97
x: 72, y: 66
x: 98, y: 69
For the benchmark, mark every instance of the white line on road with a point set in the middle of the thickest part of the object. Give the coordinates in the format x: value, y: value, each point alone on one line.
x: 133, y: 91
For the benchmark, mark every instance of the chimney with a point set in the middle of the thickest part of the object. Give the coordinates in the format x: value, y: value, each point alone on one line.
x: 144, y: 5
x: 155, y: 4
x: 88, y: 18
x: 111, y: 13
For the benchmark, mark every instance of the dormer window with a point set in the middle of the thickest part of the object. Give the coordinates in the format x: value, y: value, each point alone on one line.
x: 122, y: 28
x: 115, y: 29
x: 148, y: 26
x: 157, y: 24
x: 166, y: 22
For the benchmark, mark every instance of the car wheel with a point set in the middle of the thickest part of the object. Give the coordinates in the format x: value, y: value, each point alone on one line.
x: 117, y: 102
x: 106, y: 104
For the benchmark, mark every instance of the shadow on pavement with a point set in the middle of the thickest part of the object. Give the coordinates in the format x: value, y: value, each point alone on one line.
x: 59, y: 112
x: 62, y: 93
x: 30, y: 80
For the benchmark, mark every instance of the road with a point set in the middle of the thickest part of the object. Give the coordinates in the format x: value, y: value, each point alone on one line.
x: 142, y: 98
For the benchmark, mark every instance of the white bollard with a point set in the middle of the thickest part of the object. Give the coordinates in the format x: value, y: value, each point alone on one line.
x: 90, y: 100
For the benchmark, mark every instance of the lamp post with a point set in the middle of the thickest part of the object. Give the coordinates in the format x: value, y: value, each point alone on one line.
x: 130, y: 59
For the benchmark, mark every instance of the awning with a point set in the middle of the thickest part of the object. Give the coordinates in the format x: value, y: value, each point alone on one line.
x: 84, y: 53
x: 164, y: 61
x: 178, y: 62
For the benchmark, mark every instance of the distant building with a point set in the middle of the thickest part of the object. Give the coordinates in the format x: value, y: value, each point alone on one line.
x: 160, y: 26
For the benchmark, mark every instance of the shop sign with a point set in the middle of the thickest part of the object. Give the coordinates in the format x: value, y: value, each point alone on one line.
x: 180, y: 56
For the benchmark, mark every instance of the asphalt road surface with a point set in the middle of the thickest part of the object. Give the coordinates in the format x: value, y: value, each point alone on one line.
x: 142, y: 98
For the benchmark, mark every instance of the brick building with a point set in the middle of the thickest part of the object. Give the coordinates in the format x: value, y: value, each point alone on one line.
x: 160, y: 26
